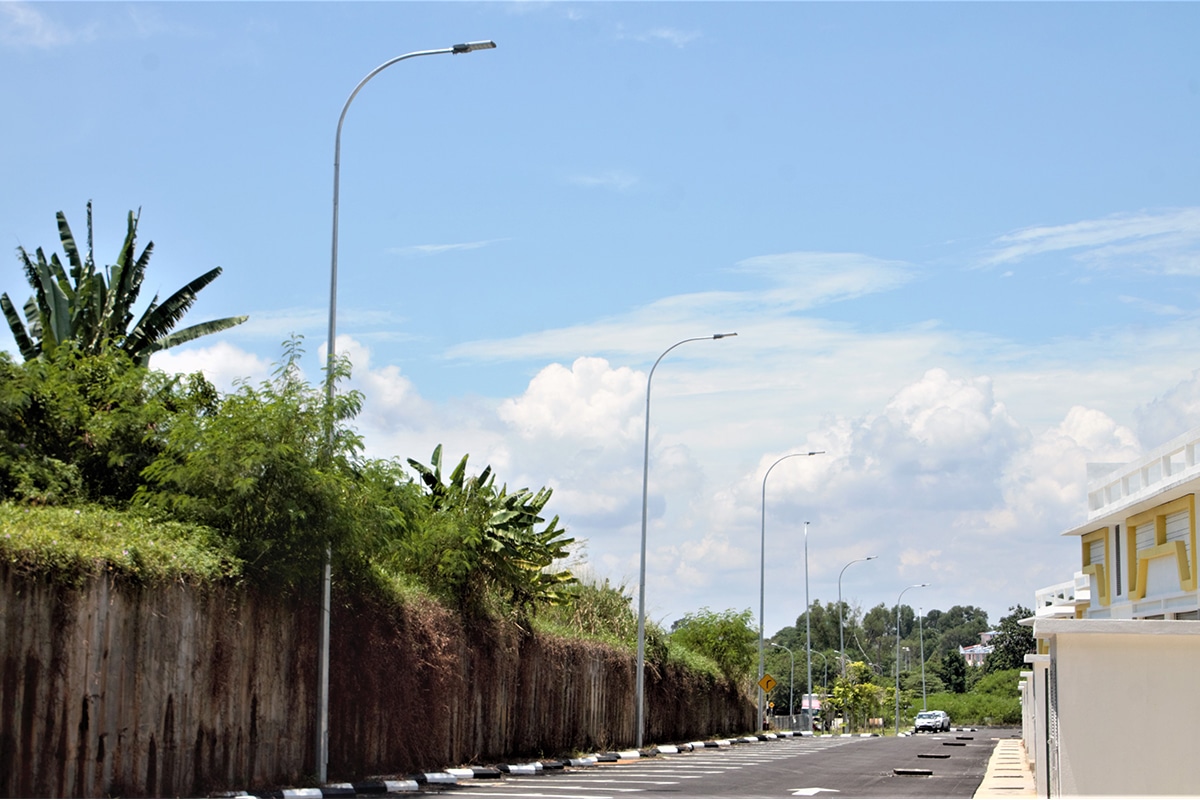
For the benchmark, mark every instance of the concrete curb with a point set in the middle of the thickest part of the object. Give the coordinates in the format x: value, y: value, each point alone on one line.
x: 454, y: 775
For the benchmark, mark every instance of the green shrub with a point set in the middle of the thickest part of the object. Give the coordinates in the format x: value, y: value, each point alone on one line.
x: 978, y: 709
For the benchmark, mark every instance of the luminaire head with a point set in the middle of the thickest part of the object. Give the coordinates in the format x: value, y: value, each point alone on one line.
x: 472, y: 46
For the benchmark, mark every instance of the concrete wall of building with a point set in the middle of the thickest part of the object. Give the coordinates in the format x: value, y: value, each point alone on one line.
x: 180, y: 690
x: 1127, y: 706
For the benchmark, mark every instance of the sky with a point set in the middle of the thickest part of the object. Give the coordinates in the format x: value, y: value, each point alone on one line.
x: 959, y: 244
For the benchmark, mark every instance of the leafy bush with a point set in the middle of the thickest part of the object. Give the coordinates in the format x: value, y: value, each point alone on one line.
x: 725, y: 637
x: 259, y: 468
x: 478, y: 546
x: 78, y: 428
x: 975, y: 708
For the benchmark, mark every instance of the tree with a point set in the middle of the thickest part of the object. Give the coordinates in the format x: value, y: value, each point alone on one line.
x: 1011, y: 643
x: 257, y: 469
x: 727, y: 637
x: 95, y: 309
x: 952, y: 669
x: 855, y: 696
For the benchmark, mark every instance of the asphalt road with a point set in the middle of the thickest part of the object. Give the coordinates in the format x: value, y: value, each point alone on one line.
x: 952, y: 766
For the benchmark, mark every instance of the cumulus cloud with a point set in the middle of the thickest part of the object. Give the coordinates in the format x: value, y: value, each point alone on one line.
x: 222, y: 363
x: 1174, y: 412
x: 589, y: 403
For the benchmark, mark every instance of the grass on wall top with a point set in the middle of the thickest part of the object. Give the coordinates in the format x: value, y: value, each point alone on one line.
x: 68, y: 546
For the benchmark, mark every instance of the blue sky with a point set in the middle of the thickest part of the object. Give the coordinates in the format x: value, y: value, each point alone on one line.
x: 960, y: 244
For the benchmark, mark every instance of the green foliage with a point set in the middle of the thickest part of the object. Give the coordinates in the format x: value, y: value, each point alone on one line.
x: 974, y: 708
x: 1002, y: 683
x: 726, y: 637
x: 258, y: 469
x: 68, y: 546
x: 952, y: 669
x: 94, y: 309
x: 592, y: 610
x: 80, y: 428
x: 1011, y: 643
x: 856, y: 697
x: 694, y: 662
x: 479, y: 547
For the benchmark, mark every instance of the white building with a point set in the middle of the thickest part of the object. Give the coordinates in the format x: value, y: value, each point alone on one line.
x: 1118, y: 645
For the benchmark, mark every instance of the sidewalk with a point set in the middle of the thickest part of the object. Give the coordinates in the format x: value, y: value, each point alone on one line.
x: 1008, y: 772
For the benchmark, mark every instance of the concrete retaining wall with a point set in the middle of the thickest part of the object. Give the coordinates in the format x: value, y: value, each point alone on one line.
x: 182, y: 690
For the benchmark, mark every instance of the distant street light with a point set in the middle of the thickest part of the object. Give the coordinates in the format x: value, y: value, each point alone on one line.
x: 322, y: 744
x: 762, y: 567
x: 914, y: 586
x: 792, y: 680
x: 921, y: 630
x: 641, y: 645
x: 841, y: 630
x: 825, y: 661
x: 825, y: 685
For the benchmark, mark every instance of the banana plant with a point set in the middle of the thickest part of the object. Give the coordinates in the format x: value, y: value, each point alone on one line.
x: 94, y: 308
x: 510, y: 552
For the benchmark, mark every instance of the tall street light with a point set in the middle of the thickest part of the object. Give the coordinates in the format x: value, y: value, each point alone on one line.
x: 841, y: 630
x: 825, y: 661
x: 641, y: 647
x: 791, y: 681
x: 762, y: 568
x: 921, y: 630
x: 322, y: 744
x: 914, y: 586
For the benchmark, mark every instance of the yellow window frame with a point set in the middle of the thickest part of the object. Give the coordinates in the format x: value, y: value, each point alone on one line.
x: 1139, y: 560
x: 1098, y: 570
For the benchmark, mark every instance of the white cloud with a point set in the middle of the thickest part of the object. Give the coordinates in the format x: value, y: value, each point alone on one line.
x: 795, y: 282
x: 24, y: 24
x: 618, y: 180
x: 222, y: 363
x: 672, y: 36
x: 438, y: 249
x: 1174, y: 412
x: 1163, y: 242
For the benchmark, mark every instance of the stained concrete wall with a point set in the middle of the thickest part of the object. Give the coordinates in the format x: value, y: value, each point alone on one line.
x: 180, y: 690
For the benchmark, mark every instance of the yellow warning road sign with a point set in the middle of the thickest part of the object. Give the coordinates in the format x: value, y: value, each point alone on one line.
x: 767, y: 683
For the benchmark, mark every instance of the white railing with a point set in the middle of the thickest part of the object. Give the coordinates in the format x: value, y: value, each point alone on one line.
x: 1061, y: 599
x: 1173, y: 462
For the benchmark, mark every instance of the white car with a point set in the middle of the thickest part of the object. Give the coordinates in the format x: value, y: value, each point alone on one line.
x: 932, y: 721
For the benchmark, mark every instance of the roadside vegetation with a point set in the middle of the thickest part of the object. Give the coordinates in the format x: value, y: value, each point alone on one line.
x: 110, y: 466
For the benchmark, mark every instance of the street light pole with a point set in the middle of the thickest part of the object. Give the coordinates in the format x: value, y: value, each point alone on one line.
x: 807, y: 629
x: 841, y: 630
x: 825, y: 662
x: 914, y: 586
x: 322, y: 727
x: 762, y: 566
x: 921, y: 630
x: 791, y: 680
x: 640, y: 711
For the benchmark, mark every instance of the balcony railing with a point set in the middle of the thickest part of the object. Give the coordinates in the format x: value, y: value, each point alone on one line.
x: 1174, y: 462
x: 1061, y: 599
